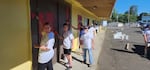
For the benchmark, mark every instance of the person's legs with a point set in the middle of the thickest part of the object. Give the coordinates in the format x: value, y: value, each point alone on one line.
x: 84, y: 55
x: 80, y: 46
x: 65, y: 56
x: 79, y: 43
x: 70, y: 60
x: 96, y: 31
x: 65, y: 59
x: 90, y: 56
x: 145, y: 50
x: 69, y: 57
x: 41, y: 66
x: 50, y: 65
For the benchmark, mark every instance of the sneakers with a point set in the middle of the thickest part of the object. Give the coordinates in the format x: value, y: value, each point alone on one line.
x: 84, y: 62
x: 68, y: 65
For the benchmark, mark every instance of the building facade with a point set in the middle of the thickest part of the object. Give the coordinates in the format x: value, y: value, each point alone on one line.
x: 21, y: 24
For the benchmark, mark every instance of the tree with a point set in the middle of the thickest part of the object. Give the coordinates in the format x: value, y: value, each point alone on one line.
x: 126, y: 12
x: 131, y: 14
x: 133, y: 18
x: 114, y: 15
x: 123, y: 18
x: 133, y: 10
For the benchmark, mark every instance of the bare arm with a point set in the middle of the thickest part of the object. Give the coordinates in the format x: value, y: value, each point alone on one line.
x: 60, y: 37
x: 75, y: 28
x: 42, y: 47
x: 72, y: 43
x: 92, y: 43
x: 145, y: 38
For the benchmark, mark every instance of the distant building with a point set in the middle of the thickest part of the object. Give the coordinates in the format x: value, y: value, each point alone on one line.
x: 145, y: 19
x: 104, y: 23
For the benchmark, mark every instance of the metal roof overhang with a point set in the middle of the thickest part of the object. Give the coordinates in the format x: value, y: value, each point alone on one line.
x: 101, y: 8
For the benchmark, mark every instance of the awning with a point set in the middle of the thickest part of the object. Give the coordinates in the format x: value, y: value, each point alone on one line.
x: 101, y: 8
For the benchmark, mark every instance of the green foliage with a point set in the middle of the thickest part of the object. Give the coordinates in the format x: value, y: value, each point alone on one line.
x: 133, y: 18
x: 114, y: 16
x: 133, y: 10
x: 131, y: 14
x: 123, y: 18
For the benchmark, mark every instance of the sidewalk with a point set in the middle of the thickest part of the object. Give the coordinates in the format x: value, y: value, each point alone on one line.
x: 77, y: 58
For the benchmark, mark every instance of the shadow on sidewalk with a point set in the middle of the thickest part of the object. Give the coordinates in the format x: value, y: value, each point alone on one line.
x: 139, y: 49
x: 79, y: 60
x: 120, y: 50
x: 74, y: 58
x: 140, y: 32
x: 62, y: 63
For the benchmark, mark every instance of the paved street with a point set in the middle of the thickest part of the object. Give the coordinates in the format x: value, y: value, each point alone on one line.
x: 114, y: 57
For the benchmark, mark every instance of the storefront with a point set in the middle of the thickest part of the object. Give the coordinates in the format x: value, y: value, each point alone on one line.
x: 21, y: 25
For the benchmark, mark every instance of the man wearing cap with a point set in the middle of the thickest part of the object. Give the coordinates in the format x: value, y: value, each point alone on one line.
x: 147, y: 39
x: 88, y: 44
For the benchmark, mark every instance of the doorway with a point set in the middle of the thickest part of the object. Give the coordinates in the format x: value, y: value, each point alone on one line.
x: 55, y: 12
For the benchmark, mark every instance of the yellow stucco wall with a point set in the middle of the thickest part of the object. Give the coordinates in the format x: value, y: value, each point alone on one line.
x: 77, y: 9
x: 15, y: 46
x: 15, y: 43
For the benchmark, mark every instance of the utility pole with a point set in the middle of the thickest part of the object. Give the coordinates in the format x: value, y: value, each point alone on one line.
x: 117, y: 18
x: 128, y: 16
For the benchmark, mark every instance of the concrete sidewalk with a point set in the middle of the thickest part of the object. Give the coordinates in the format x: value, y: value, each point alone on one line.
x: 77, y: 58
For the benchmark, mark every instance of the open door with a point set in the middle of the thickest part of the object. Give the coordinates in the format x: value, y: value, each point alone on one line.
x: 55, y: 12
x: 42, y: 11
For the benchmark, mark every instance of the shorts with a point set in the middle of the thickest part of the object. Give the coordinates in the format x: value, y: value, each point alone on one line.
x: 67, y: 51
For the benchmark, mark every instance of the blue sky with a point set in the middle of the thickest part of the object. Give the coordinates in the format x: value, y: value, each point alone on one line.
x: 123, y: 5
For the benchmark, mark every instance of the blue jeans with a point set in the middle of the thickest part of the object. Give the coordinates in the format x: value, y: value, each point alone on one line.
x: 89, y: 53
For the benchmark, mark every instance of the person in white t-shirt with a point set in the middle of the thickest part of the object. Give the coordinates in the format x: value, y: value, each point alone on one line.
x: 147, y: 40
x: 46, y: 51
x: 92, y: 30
x: 88, y: 45
x: 68, y: 44
x: 96, y: 28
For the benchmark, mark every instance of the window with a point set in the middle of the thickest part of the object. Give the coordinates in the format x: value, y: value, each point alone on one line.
x: 144, y: 20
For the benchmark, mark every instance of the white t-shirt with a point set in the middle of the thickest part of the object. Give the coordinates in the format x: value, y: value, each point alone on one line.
x: 67, y: 42
x: 96, y: 27
x: 46, y: 56
x: 91, y: 30
x: 147, y: 33
x: 87, y: 40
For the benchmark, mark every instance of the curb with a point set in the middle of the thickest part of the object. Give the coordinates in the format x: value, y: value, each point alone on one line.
x: 99, y: 47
